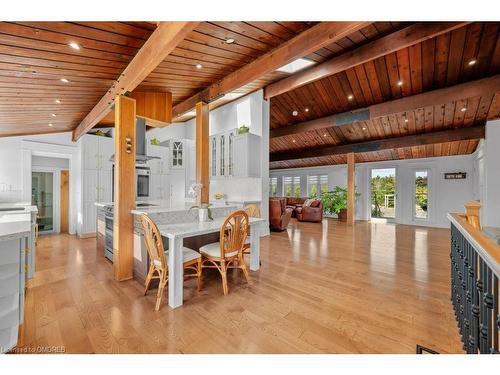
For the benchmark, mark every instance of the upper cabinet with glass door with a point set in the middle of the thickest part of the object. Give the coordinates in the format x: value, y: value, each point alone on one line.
x: 177, y: 157
x: 222, y: 154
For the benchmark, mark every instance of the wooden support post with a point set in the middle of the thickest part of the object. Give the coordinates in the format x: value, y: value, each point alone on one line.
x: 472, y: 213
x: 351, y: 186
x: 202, y: 154
x: 125, y: 185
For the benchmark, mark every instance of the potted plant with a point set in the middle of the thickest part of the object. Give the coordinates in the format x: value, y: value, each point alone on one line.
x: 335, y: 202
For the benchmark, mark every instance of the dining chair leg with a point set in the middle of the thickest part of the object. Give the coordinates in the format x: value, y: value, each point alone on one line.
x: 199, y: 270
x: 243, y: 267
x: 161, y: 289
x: 149, y: 277
x: 223, y: 274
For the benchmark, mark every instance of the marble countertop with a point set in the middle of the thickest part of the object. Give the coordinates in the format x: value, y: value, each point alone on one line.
x: 165, y: 206
x: 14, y: 223
x: 28, y: 208
x: 197, y: 228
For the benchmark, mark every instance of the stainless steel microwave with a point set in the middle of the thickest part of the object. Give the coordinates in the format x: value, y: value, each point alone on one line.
x: 142, y: 175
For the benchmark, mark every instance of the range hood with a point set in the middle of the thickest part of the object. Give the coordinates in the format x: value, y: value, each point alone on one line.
x: 140, y: 143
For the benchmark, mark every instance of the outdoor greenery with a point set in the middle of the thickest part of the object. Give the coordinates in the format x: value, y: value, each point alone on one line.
x: 336, y: 200
x: 380, y: 187
x: 421, y: 192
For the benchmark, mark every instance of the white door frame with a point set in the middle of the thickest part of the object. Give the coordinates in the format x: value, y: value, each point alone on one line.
x: 34, y: 148
x: 430, y: 195
x: 397, y: 211
x: 56, y: 196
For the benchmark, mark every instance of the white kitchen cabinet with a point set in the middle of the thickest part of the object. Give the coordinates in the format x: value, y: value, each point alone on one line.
x: 96, y: 178
x: 222, y: 154
x: 231, y: 155
x: 158, y: 180
x: 177, y: 187
x: 246, y: 160
x: 96, y: 152
x: 177, y: 154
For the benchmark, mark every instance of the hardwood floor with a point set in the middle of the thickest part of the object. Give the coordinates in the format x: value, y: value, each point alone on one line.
x: 322, y: 288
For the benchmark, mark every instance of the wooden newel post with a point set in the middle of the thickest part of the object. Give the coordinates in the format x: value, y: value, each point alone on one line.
x: 202, y: 152
x: 124, y: 200
x: 351, y: 186
x: 472, y: 213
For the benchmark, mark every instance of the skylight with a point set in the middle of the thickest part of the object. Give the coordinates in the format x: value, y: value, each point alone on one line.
x: 295, y: 66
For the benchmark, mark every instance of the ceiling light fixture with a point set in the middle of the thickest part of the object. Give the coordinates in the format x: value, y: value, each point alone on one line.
x: 324, y: 135
x: 74, y: 45
x: 306, y: 110
x: 406, y: 120
x: 64, y: 80
x: 199, y: 66
x: 463, y: 109
x: 293, y: 140
x: 295, y: 113
x: 400, y: 83
x: 53, y: 115
x: 350, y: 97
x: 58, y: 101
x: 364, y: 127
x: 472, y: 62
x: 229, y: 41
x: 51, y: 125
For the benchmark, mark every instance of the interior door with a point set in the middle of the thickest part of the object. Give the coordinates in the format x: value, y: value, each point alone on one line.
x: 42, y: 196
x: 64, y: 199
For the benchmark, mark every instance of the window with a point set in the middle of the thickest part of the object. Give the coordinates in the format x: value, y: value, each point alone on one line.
x: 292, y: 186
x: 177, y: 154
x: 421, y: 195
x: 214, y: 157
x: 317, y: 184
x: 273, y: 186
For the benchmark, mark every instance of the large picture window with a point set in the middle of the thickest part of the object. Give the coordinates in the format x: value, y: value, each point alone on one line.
x: 316, y: 185
x: 291, y: 186
x: 273, y: 187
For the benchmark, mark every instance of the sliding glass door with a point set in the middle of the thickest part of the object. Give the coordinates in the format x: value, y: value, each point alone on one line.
x: 42, y: 196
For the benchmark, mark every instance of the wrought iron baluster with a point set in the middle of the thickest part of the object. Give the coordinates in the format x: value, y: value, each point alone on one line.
x: 474, y: 337
x: 496, y: 324
x: 488, y: 304
x: 483, y: 328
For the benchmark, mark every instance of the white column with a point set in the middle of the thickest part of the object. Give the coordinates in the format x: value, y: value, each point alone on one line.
x: 491, y: 198
x: 175, y: 272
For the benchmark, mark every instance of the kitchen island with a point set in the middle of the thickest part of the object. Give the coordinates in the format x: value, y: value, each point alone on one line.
x: 15, y: 233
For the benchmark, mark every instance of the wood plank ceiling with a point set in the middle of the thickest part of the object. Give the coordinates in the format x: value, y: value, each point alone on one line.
x: 35, y: 57
x: 465, y: 54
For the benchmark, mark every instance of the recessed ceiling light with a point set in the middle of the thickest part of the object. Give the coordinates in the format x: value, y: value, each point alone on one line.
x: 51, y: 125
x: 58, y: 101
x: 74, y: 45
x: 472, y: 62
x: 324, y: 135
x: 199, y: 66
x: 53, y: 115
x: 229, y: 40
x: 463, y: 109
x: 295, y: 113
x: 350, y: 97
x: 64, y: 80
x: 400, y: 83
x: 406, y: 120
x: 306, y: 109
x: 295, y: 66
x: 364, y: 127
x: 293, y: 140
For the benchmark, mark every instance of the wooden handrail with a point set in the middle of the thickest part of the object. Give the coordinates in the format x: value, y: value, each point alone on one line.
x: 485, y: 247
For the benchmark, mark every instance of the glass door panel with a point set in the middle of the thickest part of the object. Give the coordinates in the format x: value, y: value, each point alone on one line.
x: 383, y: 193
x: 421, y: 195
x: 42, y: 196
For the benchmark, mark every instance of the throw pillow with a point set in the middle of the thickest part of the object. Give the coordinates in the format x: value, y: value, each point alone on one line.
x: 315, y: 203
x: 308, y: 202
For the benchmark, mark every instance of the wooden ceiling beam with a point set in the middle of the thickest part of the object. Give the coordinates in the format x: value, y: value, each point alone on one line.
x: 482, y: 87
x: 459, y: 134
x: 159, y: 45
x: 307, y: 42
x: 398, y: 40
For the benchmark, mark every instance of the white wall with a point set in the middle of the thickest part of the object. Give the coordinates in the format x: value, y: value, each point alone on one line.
x: 488, y: 175
x: 445, y: 195
x: 43, y: 161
